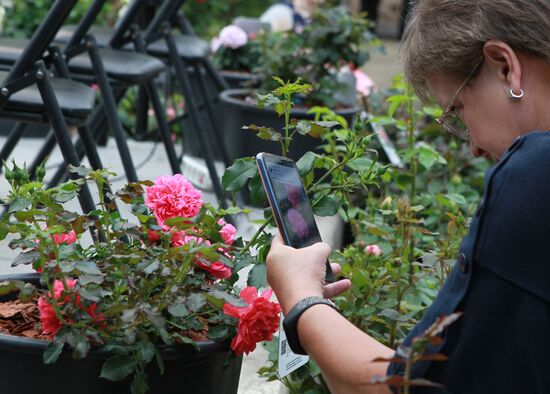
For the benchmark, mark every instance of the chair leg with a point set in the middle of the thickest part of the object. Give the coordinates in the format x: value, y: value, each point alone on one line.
x: 47, y: 148
x: 62, y: 134
x: 15, y: 135
x: 192, y: 110
x: 141, y: 112
x: 211, y: 116
x: 111, y: 111
x: 163, y: 127
x: 219, y: 81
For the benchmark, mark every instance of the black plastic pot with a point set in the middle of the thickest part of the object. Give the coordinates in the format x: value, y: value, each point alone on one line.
x: 239, y: 113
x: 240, y: 79
x: 210, y: 370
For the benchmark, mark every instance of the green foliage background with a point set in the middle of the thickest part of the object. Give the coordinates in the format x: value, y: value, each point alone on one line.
x: 207, y: 16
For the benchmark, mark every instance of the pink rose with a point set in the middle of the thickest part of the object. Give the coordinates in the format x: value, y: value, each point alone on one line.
x: 373, y: 250
x: 217, y: 269
x: 258, y: 321
x: 173, y: 196
x: 297, y: 223
x: 215, y: 44
x: 231, y: 37
x: 170, y: 113
x: 65, y: 238
x: 364, y: 84
x: 228, y: 232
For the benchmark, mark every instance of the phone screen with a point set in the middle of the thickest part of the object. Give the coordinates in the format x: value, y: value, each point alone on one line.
x: 289, y: 203
x: 294, y: 208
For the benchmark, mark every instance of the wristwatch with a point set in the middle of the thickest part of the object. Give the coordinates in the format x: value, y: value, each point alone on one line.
x: 290, y: 322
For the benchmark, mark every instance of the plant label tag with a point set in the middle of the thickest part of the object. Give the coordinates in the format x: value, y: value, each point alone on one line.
x: 288, y: 361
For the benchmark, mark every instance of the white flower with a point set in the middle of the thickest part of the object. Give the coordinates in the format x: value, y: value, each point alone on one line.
x: 230, y: 37
x: 373, y: 250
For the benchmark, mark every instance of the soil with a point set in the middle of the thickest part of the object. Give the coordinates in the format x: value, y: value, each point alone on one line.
x: 20, y: 319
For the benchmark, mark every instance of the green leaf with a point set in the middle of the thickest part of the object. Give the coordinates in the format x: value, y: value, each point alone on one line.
x: 88, y: 267
x: 145, y: 351
x: 26, y: 292
x: 117, y: 368
x: 26, y: 258
x: 303, y: 127
x: 236, y: 176
x: 80, y: 345
x: 457, y: 198
x: 427, y: 156
x: 229, y: 298
x: 218, y: 332
x: 267, y: 100
x: 19, y: 204
x: 306, y: 162
x: 63, y: 196
x: 52, y: 352
x: 244, y: 261
x: 9, y: 286
x: 257, y: 276
x: 280, y: 108
x: 265, y: 133
x: 94, y: 295
x: 178, y: 310
x: 80, y: 170
x: 392, y: 314
x: 151, y: 267
x: 433, y: 111
x: 195, y: 302
x: 360, y: 164
x: 139, y: 383
x: 257, y: 191
x: 326, y: 206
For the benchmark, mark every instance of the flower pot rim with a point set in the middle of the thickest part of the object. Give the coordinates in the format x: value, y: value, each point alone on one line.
x: 37, y: 346
x: 228, y: 96
x: 239, y: 73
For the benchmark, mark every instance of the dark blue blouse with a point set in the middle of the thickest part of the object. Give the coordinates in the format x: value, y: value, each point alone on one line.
x: 501, y: 281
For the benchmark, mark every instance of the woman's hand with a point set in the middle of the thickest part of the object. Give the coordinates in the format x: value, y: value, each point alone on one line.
x: 295, y: 274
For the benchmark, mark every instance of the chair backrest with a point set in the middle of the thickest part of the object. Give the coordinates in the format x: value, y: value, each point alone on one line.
x: 41, y: 38
x: 167, y: 10
x: 84, y: 25
x: 130, y: 17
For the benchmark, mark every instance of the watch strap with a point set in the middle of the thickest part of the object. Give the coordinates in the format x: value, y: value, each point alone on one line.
x: 290, y: 322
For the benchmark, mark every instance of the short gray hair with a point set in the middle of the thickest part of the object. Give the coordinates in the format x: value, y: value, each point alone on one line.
x: 447, y: 36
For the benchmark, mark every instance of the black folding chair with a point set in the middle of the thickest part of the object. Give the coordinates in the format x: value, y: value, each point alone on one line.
x: 109, y: 68
x: 182, y: 52
x: 29, y: 94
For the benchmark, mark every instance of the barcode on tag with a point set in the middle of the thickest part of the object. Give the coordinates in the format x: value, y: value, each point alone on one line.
x: 283, y: 346
x: 288, y: 361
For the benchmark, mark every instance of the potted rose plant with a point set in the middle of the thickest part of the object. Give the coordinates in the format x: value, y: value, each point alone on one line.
x: 144, y: 304
x: 332, y: 41
x: 237, y: 54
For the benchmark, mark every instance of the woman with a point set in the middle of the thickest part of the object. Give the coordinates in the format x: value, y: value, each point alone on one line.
x: 487, y: 62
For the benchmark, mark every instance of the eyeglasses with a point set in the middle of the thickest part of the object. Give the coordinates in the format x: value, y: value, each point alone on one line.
x: 449, y: 119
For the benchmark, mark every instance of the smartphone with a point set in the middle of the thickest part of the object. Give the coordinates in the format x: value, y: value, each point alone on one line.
x: 289, y: 203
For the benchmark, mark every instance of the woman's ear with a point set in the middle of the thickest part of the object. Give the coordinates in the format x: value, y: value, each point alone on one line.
x: 504, y: 61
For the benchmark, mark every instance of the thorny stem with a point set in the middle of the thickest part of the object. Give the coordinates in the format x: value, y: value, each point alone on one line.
x: 288, y: 109
x: 257, y: 234
x: 414, y: 168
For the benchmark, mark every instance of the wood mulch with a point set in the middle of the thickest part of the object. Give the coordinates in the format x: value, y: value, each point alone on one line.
x: 20, y: 319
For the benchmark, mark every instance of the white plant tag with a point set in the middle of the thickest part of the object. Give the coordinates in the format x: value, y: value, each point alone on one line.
x: 288, y: 361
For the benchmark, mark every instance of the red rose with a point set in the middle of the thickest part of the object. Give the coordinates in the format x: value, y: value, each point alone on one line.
x: 258, y: 321
x: 50, y: 323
